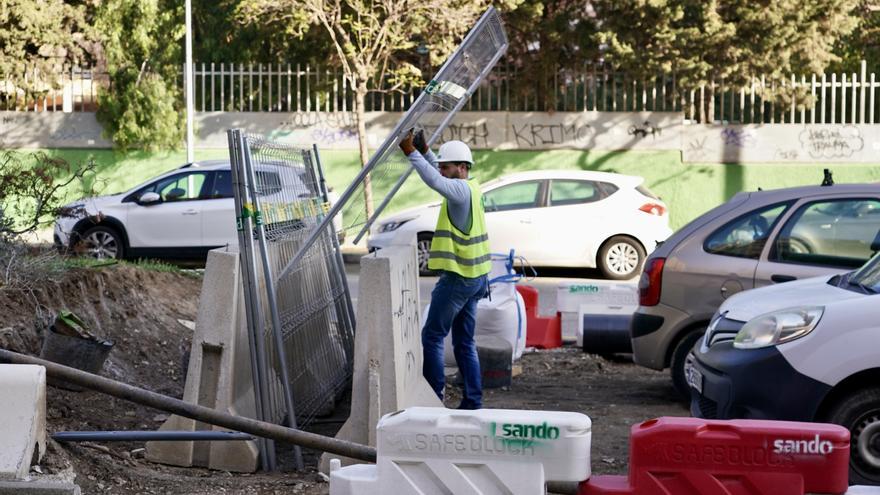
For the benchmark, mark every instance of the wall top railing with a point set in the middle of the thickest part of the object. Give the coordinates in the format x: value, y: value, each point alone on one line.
x: 835, y: 98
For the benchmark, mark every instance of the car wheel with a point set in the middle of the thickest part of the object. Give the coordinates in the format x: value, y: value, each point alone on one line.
x: 423, y: 249
x: 676, y: 363
x: 621, y: 258
x: 860, y: 414
x: 102, y: 243
x: 797, y: 246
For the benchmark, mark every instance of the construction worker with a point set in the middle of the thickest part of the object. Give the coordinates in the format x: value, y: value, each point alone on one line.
x: 460, y: 252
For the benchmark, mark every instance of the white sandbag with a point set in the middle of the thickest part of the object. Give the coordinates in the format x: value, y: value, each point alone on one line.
x: 503, y: 318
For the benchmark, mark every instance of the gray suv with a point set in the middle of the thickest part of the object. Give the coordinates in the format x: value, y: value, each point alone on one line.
x: 755, y: 239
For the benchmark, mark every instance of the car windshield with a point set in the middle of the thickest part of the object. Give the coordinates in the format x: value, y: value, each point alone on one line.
x: 868, y: 275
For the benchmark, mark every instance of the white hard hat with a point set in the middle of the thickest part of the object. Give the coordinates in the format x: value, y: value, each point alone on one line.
x: 454, y: 151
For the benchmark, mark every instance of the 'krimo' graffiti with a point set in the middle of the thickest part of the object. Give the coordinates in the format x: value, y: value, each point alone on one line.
x: 543, y: 134
x: 475, y: 134
x: 642, y: 130
x: 738, y: 138
x: 832, y: 141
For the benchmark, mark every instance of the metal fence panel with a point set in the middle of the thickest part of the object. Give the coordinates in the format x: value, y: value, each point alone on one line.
x: 432, y: 111
x: 303, y: 319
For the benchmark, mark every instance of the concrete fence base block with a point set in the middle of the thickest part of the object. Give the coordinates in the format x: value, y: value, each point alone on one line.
x: 38, y: 488
x: 219, y: 374
x: 22, y: 419
x: 387, y: 345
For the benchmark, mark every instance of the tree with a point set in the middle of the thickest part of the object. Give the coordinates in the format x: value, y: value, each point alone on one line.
x: 863, y: 43
x: 550, y: 41
x: 731, y: 39
x: 141, y: 40
x: 39, y: 35
x: 371, y: 40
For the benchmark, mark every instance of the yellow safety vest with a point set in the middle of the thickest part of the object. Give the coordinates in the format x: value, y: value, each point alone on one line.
x: 465, y: 253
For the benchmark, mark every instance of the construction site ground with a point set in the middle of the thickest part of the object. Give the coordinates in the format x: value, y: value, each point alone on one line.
x: 148, y: 314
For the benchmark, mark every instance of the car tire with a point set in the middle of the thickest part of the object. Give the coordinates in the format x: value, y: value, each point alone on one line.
x: 621, y: 258
x: 676, y: 362
x: 423, y: 249
x: 860, y: 414
x: 102, y: 242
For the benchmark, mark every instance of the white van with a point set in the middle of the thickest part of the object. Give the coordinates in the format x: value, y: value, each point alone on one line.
x: 807, y: 350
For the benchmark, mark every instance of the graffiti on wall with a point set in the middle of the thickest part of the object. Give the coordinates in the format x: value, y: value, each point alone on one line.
x: 476, y: 135
x: 644, y: 130
x: 738, y: 138
x: 837, y: 141
x: 538, y: 135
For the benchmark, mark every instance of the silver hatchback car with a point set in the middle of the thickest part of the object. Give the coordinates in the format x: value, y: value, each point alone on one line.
x: 755, y: 239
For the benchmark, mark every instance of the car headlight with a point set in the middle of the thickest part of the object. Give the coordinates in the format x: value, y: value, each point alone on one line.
x: 392, y: 226
x: 778, y: 327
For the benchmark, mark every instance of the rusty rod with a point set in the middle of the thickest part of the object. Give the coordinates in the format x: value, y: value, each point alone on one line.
x: 194, y: 411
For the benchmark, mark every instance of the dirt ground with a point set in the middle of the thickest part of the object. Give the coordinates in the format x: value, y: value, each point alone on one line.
x: 141, y: 311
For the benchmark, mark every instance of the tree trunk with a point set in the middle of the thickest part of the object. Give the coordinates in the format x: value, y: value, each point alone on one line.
x: 359, y: 111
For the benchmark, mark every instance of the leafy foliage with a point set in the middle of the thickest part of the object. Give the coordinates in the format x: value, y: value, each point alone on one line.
x: 550, y: 41
x: 39, y: 35
x: 142, y: 108
x: 730, y: 39
x: 33, y: 188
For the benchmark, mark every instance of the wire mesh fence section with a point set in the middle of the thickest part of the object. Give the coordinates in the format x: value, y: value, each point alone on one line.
x: 441, y: 99
x: 308, y: 329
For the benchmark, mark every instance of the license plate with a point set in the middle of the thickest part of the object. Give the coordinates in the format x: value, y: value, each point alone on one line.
x: 692, y: 375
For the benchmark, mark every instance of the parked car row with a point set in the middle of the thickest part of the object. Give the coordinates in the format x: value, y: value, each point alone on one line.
x: 800, y: 346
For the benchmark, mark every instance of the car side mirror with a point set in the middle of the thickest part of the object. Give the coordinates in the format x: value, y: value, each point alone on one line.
x: 149, y: 198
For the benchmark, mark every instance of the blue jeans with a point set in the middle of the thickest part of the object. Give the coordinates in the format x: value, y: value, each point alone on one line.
x: 454, y: 307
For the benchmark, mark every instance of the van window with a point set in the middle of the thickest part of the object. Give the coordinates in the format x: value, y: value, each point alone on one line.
x: 835, y: 233
x: 745, y: 236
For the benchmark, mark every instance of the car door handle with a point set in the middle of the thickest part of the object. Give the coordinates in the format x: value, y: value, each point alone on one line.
x: 525, y: 221
x: 782, y: 278
x: 191, y: 212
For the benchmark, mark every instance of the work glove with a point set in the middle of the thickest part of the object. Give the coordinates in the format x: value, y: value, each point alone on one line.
x: 419, y: 142
x: 406, y: 144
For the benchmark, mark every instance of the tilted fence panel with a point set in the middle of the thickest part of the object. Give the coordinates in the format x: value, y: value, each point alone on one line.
x: 302, y: 320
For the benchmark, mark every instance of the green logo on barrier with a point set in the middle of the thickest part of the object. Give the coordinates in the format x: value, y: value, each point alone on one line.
x: 524, y: 435
x: 583, y: 289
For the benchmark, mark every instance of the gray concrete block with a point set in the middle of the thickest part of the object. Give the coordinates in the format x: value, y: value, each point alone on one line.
x: 388, y: 347
x: 219, y: 373
x: 38, y: 488
x: 22, y: 419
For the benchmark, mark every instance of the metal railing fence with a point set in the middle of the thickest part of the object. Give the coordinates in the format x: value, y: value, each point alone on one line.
x: 834, y: 98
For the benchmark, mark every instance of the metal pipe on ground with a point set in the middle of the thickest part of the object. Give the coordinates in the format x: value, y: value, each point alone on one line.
x: 148, y: 436
x: 193, y: 411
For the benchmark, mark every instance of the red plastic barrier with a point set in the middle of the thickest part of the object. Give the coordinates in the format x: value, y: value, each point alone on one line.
x: 689, y: 456
x: 541, y: 332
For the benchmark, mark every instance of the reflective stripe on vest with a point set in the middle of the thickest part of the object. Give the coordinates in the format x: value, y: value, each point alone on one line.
x: 465, y: 253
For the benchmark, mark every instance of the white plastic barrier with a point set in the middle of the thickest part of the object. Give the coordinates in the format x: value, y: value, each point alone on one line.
x: 574, y: 300
x: 424, y: 450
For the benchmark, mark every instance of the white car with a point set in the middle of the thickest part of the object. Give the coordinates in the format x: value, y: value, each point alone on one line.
x: 180, y: 215
x: 561, y: 218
